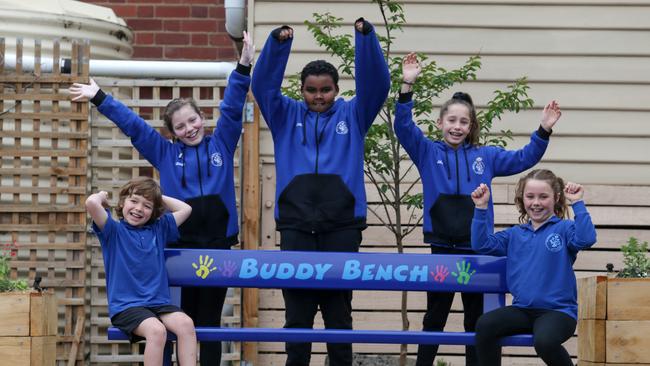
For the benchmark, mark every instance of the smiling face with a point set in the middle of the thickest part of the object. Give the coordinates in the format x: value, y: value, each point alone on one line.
x: 137, y: 210
x: 455, y: 125
x: 539, y: 201
x: 188, y: 125
x: 319, y: 92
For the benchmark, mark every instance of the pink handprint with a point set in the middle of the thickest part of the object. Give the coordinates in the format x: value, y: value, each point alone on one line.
x: 228, y: 269
x: 440, y: 274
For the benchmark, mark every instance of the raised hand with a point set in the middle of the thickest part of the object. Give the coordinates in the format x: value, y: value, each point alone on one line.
x: 550, y: 115
x: 481, y: 196
x: 82, y: 92
x: 247, y: 51
x: 359, y: 25
x: 410, y: 68
x: 573, y: 192
x: 285, y: 33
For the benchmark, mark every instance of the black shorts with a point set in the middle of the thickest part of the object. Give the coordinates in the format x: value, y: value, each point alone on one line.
x: 128, y: 320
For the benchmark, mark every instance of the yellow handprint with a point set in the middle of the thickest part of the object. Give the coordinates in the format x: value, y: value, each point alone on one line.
x: 203, y: 269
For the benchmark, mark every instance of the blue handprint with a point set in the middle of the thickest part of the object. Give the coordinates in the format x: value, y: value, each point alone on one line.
x: 464, y: 273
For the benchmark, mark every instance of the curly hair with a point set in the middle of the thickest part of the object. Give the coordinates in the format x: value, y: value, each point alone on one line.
x: 147, y: 188
x: 319, y: 67
x: 557, y: 185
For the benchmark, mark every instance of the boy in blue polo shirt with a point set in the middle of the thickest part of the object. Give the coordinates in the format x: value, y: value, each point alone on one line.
x: 139, y: 303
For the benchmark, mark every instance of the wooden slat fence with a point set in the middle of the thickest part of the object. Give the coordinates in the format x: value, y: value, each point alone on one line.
x: 43, y: 173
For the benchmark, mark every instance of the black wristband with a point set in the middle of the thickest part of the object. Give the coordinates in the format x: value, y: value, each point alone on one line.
x: 541, y: 132
x: 243, y: 69
x: 405, y: 97
x: 98, y: 98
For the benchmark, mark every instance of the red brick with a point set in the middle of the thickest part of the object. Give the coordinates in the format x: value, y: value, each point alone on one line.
x: 146, y: 24
x: 218, y: 12
x: 125, y: 10
x: 144, y: 38
x: 199, y: 12
x: 195, y: 25
x: 172, y: 25
x: 199, y: 39
x: 173, y: 38
x: 141, y: 52
x: 164, y: 11
x: 145, y: 11
x: 220, y: 40
x: 193, y: 53
x: 227, y: 54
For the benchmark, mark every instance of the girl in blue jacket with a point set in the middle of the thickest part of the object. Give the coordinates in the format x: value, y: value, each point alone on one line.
x: 319, y: 147
x: 450, y: 170
x: 197, y: 169
x: 540, y: 255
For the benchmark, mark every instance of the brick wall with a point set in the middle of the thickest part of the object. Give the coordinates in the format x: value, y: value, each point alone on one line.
x: 175, y: 29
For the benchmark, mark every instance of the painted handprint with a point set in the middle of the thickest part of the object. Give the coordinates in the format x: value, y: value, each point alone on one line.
x: 203, y: 269
x: 464, y: 273
x: 440, y: 274
x: 228, y: 269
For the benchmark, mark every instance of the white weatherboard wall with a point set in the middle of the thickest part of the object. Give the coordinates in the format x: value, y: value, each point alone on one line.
x: 592, y: 56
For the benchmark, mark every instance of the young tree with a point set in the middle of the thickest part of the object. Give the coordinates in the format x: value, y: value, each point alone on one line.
x: 386, y: 164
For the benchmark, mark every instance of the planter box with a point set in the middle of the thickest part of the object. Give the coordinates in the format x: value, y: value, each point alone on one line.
x: 613, y: 321
x: 28, y: 325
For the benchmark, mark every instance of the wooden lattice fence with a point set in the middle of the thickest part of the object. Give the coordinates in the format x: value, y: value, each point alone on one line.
x: 44, y: 182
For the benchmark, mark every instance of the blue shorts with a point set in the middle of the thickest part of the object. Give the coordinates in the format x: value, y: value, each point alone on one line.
x: 128, y: 320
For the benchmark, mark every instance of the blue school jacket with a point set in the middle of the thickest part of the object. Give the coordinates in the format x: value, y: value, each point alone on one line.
x: 200, y: 175
x: 449, y: 176
x: 319, y: 156
x: 540, y: 262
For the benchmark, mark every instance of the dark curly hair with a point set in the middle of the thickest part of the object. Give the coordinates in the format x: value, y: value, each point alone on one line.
x: 319, y: 67
x: 147, y: 188
x: 557, y: 185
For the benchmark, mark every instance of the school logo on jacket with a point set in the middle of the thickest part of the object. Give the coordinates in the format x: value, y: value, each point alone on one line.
x: 216, y: 159
x: 554, y: 242
x: 342, y: 128
x: 478, y: 166
x: 180, y: 161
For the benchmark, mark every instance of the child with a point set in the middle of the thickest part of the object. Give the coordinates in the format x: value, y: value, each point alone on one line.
x: 319, y: 147
x: 541, y: 252
x: 197, y: 169
x: 450, y: 170
x: 136, y: 279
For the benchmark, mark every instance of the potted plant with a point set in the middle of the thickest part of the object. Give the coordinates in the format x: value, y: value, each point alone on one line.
x: 614, y: 312
x: 28, y: 319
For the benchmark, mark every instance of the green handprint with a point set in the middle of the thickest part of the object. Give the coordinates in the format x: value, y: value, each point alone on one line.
x: 464, y: 273
x: 203, y: 270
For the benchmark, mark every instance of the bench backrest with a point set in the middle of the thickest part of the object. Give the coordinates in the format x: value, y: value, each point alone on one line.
x: 334, y: 270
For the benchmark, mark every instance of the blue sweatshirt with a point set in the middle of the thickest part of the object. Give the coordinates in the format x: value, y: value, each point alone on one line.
x: 319, y: 156
x: 450, y: 175
x: 540, y: 262
x: 200, y: 175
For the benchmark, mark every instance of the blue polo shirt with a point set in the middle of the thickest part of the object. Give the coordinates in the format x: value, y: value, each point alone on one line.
x: 134, y: 261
